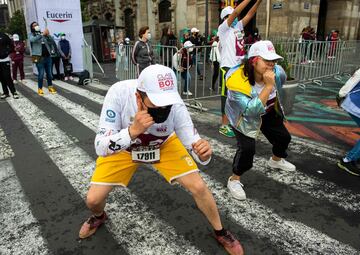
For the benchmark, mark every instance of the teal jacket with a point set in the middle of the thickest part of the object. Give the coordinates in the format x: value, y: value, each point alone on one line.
x: 36, y: 41
x: 243, y: 106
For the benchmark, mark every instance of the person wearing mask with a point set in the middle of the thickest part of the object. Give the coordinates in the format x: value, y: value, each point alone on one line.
x: 17, y: 58
x: 253, y: 105
x: 232, y: 51
x: 42, y: 48
x: 349, y: 100
x: 6, y: 48
x: 131, y: 133
x: 215, y: 59
x: 55, y: 59
x: 143, y: 54
x: 65, y: 53
x: 121, y: 65
x: 195, y: 39
x: 183, y: 62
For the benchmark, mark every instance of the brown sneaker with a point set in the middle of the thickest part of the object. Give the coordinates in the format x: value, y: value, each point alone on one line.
x: 231, y: 245
x: 91, y: 225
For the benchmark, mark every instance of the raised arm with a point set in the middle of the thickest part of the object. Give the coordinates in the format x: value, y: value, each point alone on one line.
x: 251, y: 13
x: 237, y: 12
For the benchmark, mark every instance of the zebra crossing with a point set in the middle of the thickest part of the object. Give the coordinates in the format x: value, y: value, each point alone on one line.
x: 311, y: 215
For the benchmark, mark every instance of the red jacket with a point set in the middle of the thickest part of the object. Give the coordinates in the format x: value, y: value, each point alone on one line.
x: 18, y: 53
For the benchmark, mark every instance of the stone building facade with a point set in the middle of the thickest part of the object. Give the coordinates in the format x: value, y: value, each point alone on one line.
x: 287, y: 17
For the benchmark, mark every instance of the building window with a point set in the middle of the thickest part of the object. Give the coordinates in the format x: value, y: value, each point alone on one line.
x: 164, y: 12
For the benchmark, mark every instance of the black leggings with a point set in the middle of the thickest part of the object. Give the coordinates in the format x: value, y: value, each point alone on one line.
x: 274, y: 130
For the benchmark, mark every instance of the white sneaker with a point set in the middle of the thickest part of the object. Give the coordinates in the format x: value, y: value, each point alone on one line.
x: 66, y: 78
x: 236, y: 189
x: 188, y: 93
x: 281, y: 164
x: 15, y: 81
x: 71, y: 78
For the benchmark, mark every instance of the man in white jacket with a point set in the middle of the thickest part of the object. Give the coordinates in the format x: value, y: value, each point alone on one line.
x: 145, y: 121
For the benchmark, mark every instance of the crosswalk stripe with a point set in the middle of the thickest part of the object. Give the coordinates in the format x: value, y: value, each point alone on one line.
x: 95, y: 85
x: 301, y: 231
x: 15, y: 238
x: 313, y: 186
x: 76, y: 165
x: 80, y: 91
x: 90, y: 120
x: 292, y: 236
x: 5, y: 149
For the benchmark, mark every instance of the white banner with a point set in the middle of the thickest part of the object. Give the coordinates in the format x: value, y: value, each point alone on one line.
x: 59, y: 16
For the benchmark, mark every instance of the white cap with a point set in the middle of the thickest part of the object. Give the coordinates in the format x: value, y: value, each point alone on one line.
x: 264, y: 49
x: 226, y: 11
x: 127, y: 39
x: 188, y: 44
x: 15, y: 37
x: 160, y: 85
x: 194, y: 30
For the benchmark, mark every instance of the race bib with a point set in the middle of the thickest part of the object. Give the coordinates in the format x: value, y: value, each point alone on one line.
x: 146, y: 154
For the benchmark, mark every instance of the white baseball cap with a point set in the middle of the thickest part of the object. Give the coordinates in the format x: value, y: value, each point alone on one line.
x: 226, y: 11
x: 194, y: 30
x: 160, y: 85
x: 264, y: 49
x: 188, y: 44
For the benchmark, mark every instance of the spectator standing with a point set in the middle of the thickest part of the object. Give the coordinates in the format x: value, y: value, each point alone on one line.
x: 333, y: 38
x: 165, y: 52
x: 182, y: 62
x: 6, y: 47
x: 42, y: 48
x: 215, y: 60
x: 232, y: 51
x: 253, y: 105
x: 65, y: 53
x: 195, y: 39
x: 143, y: 54
x: 55, y: 59
x: 350, y: 102
x: 122, y: 64
x: 17, y: 58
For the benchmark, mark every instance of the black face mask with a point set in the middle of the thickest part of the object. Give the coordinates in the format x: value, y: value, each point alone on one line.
x: 160, y: 115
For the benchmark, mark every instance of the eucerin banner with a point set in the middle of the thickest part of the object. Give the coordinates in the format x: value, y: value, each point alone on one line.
x: 59, y: 16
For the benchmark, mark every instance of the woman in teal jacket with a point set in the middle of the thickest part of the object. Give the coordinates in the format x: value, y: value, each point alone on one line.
x: 253, y: 105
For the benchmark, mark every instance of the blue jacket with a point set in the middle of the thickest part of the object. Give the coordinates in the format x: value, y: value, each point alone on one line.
x: 64, y: 48
x: 36, y: 41
x: 243, y: 106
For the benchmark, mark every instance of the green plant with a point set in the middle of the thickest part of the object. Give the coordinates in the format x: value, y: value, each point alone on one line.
x: 285, y: 62
x: 17, y: 25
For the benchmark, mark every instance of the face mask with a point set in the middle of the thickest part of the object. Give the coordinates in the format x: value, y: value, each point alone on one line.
x: 234, y: 22
x: 15, y: 38
x: 62, y: 37
x: 37, y: 28
x: 148, y: 36
x: 160, y: 115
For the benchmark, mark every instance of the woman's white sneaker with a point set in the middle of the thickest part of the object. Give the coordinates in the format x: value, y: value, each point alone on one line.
x: 281, y: 164
x: 236, y: 189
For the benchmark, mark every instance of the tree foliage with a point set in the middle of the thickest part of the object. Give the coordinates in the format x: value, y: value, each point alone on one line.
x: 84, y: 11
x: 17, y: 25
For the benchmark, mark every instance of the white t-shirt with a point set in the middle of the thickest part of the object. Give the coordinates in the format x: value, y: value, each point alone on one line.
x: 118, y: 113
x: 272, y: 97
x: 232, y: 49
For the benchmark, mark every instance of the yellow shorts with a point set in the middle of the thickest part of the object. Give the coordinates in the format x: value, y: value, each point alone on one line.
x: 118, y: 168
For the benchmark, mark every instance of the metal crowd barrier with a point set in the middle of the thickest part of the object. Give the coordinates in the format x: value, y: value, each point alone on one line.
x: 310, y: 62
x: 88, y: 57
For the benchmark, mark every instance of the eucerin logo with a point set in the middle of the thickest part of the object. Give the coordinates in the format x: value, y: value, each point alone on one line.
x: 59, y: 16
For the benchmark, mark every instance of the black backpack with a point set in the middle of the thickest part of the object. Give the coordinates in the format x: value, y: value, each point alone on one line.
x: 83, y: 76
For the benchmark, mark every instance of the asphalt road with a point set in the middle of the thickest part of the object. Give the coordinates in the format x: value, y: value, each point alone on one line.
x: 47, y: 157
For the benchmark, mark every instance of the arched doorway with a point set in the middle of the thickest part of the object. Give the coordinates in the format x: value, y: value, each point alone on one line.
x: 321, y: 27
x: 129, y: 24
